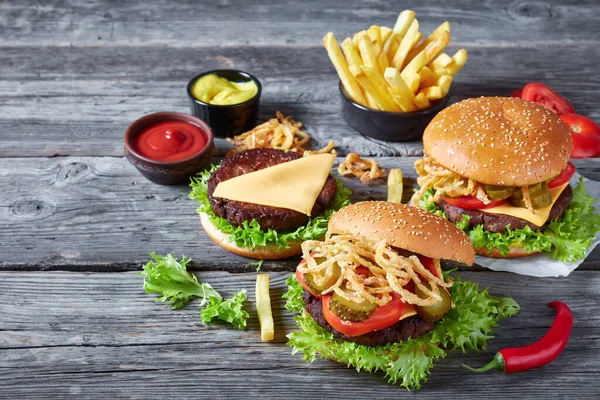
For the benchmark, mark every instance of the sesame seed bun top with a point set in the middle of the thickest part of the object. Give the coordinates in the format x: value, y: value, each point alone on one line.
x: 501, y: 141
x: 405, y: 227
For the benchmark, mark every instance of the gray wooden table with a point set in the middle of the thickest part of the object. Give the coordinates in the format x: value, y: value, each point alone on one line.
x: 77, y: 221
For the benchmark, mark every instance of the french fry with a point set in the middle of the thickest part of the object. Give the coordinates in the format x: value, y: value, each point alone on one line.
x: 371, y: 103
x: 263, y: 308
x: 421, y: 101
x: 399, y: 91
x: 351, y: 52
x: 441, y: 61
x: 459, y: 60
x: 413, y: 81
x: 444, y: 27
x: 374, y: 33
x: 395, y: 186
x: 367, y: 53
x: 341, y: 66
x: 427, y: 54
x: 369, y: 87
x: 403, y: 22
x: 444, y: 83
x: 385, y: 33
x: 380, y: 86
x: 432, y: 93
x: 382, y: 61
x: 424, y: 74
x: 407, y: 42
x: 356, y: 36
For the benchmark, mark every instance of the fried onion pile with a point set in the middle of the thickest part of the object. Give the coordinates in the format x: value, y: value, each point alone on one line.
x: 388, y: 271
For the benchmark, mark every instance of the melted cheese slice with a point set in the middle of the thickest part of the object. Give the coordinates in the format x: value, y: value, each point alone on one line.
x: 294, y: 185
x: 541, y: 215
x: 409, y: 311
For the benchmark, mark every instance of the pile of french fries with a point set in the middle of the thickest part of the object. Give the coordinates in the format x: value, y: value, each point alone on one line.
x: 396, y: 69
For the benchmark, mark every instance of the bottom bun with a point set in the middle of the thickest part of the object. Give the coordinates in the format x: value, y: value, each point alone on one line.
x: 513, y: 252
x: 268, y: 252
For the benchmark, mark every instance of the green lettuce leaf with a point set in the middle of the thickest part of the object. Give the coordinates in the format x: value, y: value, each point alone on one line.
x: 566, y: 238
x: 230, y: 310
x: 249, y: 235
x: 468, y: 326
x: 170, y: 278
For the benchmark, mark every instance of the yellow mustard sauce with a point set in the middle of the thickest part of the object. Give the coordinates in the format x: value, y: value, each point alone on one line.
x: 213, y: 89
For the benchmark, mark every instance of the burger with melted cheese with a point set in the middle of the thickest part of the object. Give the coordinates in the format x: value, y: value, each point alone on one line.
x: 498, y: 167
x: 374, y: 297
x: 262, y: 203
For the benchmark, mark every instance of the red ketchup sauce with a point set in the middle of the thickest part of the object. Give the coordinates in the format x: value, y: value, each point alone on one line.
x: 170, y: 141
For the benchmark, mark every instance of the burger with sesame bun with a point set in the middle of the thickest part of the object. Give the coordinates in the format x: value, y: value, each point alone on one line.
x: 373, y: 295
x: 499, y: 168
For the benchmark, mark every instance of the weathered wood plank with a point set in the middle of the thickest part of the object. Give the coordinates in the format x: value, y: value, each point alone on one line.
x: 91, y: 212
x: 101, y: 336
x: 79, y: 101
x: 239, y: 23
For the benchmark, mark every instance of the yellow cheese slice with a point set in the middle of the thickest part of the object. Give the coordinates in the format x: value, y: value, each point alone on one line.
x: 409, y: 311
x: 294, y: 185
x: 541, y: 215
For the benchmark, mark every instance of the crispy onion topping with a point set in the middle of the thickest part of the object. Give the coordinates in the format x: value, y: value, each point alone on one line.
x: 445, y: 182
x: 388, y: 271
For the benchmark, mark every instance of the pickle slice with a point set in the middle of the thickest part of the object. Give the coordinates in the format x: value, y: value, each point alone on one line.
x: 350, y: 311
x: 539, y: 194
x: 436, y: 311
x: 326, y: 278
x: 498, y: 192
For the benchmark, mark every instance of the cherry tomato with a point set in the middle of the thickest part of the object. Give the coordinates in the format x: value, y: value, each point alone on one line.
x: 472, y: 202
x: 517, y: 93
x: 564, y: 177
x: 585, y: 133
x: 381, y: 318
x: 542, y: 94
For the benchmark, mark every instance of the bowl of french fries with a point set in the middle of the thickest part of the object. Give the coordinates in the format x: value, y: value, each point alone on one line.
x: 394, y: 80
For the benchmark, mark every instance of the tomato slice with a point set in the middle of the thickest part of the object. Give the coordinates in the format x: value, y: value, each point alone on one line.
x: 542, y: 94
x: 472, y: 202
x: 564, y: 177
x: 517, y: 93
x: 381, y: 318
x: 585, y: 133
x: 428, y: 263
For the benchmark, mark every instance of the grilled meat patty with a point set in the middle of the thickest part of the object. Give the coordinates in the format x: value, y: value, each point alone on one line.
x: 411, y: 327
x: 499, y: 222
x: 279, y: 219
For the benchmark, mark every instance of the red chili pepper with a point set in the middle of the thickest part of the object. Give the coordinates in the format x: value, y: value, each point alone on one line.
x: 517, y: 359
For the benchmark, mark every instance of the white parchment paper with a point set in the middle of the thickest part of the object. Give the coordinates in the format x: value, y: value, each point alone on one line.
x: 542, y: 264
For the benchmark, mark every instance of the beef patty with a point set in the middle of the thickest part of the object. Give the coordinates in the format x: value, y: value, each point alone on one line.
x: 410, y: 327
x: 279, y: 219
x: 499, y: 222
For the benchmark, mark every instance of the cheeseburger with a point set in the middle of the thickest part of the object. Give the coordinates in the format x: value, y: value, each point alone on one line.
x: 497, y: 167
x: 374, y: 295
x: 262, y: 203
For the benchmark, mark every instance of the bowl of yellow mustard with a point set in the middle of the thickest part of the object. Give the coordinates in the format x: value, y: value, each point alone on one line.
x: 227, y: 100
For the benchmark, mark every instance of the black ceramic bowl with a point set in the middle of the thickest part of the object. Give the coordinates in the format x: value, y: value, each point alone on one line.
x: 168, y: 172
x: 388, y: 125
x: 230, y: 120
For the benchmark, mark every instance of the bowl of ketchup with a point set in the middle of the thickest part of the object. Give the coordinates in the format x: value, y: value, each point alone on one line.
x: 168, y: 147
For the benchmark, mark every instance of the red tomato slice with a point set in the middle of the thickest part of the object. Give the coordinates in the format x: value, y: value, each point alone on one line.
x: 564, y: 177
x: 585, y: 133
x: 381, y: 318
x: 517, y: 93
x: 428, y: 263
x: 542, y: 94
x: 472, y: 202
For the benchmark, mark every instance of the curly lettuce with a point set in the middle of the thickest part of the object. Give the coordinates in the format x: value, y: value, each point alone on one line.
x: 566, y: 238
x: 467, y: 326
x: 250, y: 235
x: 170, y: 278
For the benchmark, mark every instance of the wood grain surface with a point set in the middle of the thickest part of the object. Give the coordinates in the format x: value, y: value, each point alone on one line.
x: 77, y: 221
x: 102, y: 337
